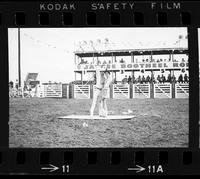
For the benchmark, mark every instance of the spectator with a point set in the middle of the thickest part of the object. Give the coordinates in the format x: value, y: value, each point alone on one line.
x: 159, y: 79
x: 186, y: 78
x: 180, y: 78
x: 143, y: 79
x: 122, y: 61
x: 148, y: 79
x: 17, y: 86
x: 163, y: 79
x: 169, y: 78
x: 173, y: 79
x: 129, y: 79
x: 11, y: 84
x: 133, y: 79
x: 152, y: 79
x: 139, y: 80
x: 125, y: 80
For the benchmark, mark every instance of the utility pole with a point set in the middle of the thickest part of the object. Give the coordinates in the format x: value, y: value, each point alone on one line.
x: 19, y: 58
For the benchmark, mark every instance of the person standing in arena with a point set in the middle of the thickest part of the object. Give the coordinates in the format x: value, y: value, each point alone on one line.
x: 97, y: 88
x: 101, y: 91
x: 103, y: 110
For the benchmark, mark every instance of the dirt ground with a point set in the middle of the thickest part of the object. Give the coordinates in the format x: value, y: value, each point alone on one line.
x: 34, y: 123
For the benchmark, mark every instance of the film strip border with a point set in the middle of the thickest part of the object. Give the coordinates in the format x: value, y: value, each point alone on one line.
x: 87, y: 161
x: 106, y: 161
x: 99, y: 13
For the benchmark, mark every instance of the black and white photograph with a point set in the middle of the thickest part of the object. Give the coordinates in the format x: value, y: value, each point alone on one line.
x: 98, y: 87
x: 199, y: 77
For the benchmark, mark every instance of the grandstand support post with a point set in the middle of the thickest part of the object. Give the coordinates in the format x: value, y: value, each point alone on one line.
x: 173, y: 89
x: 151, y: 56
x: 115, y: 76
x: 82, y: 76
x: 132, y: 57
x: 133, y: 74
x: 131, y: 90
x: 152, y: 85
x: 173, y: 84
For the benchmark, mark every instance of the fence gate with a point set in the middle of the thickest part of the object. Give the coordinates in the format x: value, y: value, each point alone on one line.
x: 81, y: 91
x: 162, y: 90
x: 141, y: 90
x: 65, y: 90
x: 181, y: 90
x: 121, y: 91
x: 51, y: 91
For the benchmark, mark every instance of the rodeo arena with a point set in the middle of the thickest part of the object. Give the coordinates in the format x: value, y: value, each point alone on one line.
x: 138, y: 71
x: 149, y: 85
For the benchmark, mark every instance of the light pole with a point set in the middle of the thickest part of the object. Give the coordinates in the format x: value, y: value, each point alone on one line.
x: 19, y: 58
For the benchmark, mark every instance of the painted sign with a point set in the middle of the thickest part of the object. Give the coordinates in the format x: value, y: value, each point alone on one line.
x: 134, y: 66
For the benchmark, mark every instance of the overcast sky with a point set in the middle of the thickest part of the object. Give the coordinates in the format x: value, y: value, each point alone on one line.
x: 49, y: 51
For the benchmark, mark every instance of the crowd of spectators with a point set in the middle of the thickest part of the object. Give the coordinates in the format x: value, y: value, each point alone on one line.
x: 23, y: 91
x: 159, y: 79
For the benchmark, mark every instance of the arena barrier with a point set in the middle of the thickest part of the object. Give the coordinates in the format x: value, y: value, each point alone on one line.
x: 81, y: 91
x: 51, y: 91
x: 116, y: 91
x: 162, y: 90
x: 141, y: 90
x: 181, y: 90
x: 121, y: 91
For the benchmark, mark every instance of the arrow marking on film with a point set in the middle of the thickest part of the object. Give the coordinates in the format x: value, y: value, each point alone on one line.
x: 52, y: 168
x: 138, y: 169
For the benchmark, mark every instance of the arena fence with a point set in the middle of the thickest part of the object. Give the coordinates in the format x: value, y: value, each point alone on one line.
x: 181, y: 90
x: 121, y: 91
x: 116, y: 91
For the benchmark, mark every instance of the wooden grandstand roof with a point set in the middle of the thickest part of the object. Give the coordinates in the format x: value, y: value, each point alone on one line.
x: 128, y: 52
